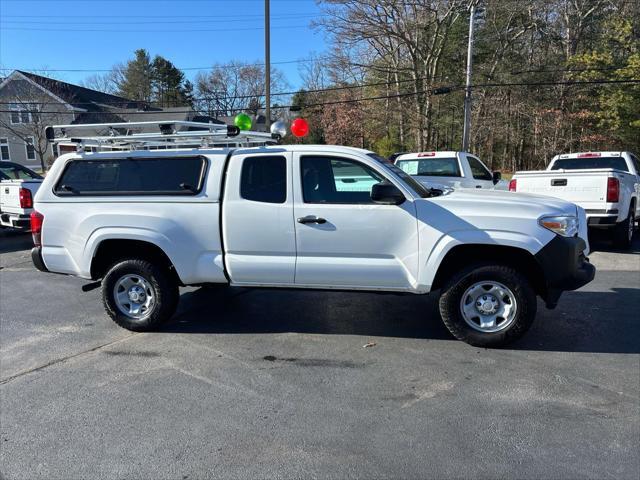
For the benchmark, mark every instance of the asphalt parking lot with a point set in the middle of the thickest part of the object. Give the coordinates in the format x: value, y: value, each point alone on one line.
x: 255, y: 384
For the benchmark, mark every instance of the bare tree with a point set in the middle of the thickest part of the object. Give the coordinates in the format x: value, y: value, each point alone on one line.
x: 230, y: 88
x: 419, y: 29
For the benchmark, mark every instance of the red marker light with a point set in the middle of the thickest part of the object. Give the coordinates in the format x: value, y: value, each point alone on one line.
x: 513, y: 185
x: 589, y: 155
x: 427, y: 154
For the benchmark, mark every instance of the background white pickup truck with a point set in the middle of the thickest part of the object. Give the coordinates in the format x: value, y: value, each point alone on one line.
x: 605, y: 184
x: 450, y: 169
x: 302, y: 216
x: 18, y: 186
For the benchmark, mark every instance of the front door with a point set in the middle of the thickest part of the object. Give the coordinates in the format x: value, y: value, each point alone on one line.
x: 343, y: 239
x: 258, y: 228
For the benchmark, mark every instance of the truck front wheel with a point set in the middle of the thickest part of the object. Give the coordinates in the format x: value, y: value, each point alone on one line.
x: 139, y: 295
x: 488, y: 305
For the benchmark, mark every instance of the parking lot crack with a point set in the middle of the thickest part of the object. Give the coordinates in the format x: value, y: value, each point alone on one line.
x: 63, y: 359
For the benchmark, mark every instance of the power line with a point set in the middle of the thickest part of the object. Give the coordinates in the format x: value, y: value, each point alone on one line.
x: 162, y: 16
x: 569, y: 70
x: 191, y: 30
x: 97, y: 70
x: 355, y: 86
x: 240, y: 97
x: 434, y: 91
x: 159, y: 22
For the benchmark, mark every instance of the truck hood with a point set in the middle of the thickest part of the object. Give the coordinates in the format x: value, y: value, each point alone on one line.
x: 498, y: 202
x: 471, y: 214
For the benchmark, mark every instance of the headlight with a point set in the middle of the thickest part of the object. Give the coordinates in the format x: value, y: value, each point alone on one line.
x: 562, y: 225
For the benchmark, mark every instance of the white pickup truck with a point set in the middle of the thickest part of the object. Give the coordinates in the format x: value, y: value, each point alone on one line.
x: 449, y: 169
x: 18, y: 186
x: 302, y: 216
x: 605, y: 184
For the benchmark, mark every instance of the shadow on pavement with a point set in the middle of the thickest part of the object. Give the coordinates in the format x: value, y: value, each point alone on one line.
x: 14, y: 240
x: 600, y: 241
x: 583, y: 322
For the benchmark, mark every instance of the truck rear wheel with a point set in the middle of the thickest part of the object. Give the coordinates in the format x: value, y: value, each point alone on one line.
x: 488, y: 305
x: 623, y: 231
x: 139, y: 295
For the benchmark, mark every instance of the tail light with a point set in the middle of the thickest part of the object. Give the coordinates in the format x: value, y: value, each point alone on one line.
x: 613, y: 190
x: 26, y: 200
x: 37, y: 219
x: 513, y: 184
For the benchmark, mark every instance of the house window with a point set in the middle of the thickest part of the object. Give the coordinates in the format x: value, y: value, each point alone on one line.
x: 31, y: 151
x: 4, y: 149
x: 24, y: 113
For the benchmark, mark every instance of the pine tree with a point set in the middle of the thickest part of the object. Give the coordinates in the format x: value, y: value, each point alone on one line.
x: 137, y: 82
x: 167, y: 83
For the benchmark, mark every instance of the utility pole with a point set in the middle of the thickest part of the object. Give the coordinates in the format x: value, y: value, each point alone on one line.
x: 267, y: 63
x: 466, y: 133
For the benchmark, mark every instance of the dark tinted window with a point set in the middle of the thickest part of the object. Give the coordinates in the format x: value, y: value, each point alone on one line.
x: 336, y: 180
x: 145, y: 176
x: 14, y: 171
x: 264, y: 179
x: 435, y: 167
x: 593, y: 162
x: 478, y: 170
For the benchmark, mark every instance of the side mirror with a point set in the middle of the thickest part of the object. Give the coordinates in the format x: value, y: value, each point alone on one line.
x: 497, y: 176
x: 386, y: 193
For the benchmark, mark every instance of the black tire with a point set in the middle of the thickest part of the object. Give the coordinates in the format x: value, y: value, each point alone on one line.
x: 164, y: 287
x: 623, y: 231
x: 455, y: 288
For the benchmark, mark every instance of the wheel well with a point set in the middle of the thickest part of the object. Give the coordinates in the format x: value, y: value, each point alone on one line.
x: 461, y: 256
x: 110, y: 252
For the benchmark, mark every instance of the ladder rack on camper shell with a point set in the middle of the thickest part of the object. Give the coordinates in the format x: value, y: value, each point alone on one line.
x: 127, y: 135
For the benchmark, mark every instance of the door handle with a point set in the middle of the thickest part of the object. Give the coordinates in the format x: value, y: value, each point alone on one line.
x: 478, y: 186
x: 311, y: 219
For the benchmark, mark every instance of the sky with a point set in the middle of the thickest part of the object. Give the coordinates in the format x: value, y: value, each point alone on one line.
x: 96, y: 34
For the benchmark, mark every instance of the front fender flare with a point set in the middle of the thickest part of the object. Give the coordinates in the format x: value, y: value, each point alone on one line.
x: 450, y: 240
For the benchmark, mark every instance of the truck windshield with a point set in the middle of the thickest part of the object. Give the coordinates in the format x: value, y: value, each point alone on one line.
x: 435, y: 167
x: 617, y: 163
x: 14, y: 171
x: 417, y: 187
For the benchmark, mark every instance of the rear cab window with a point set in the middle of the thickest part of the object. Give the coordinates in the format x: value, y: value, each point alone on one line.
x: 133, y: 176
x: 432, y: 167
x: 14, y: 171
x: 264, y: 179
x: 617, y: 163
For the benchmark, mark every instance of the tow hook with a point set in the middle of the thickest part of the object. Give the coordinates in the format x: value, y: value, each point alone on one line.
x: 90, y: 286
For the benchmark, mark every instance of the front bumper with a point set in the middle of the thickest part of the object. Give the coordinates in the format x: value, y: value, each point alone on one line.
x: 565, y: 267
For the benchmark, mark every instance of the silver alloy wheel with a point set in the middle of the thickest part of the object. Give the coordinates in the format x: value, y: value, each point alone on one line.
x: 134, y: 296
x: 488, y: 306
x: 632, y: 225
